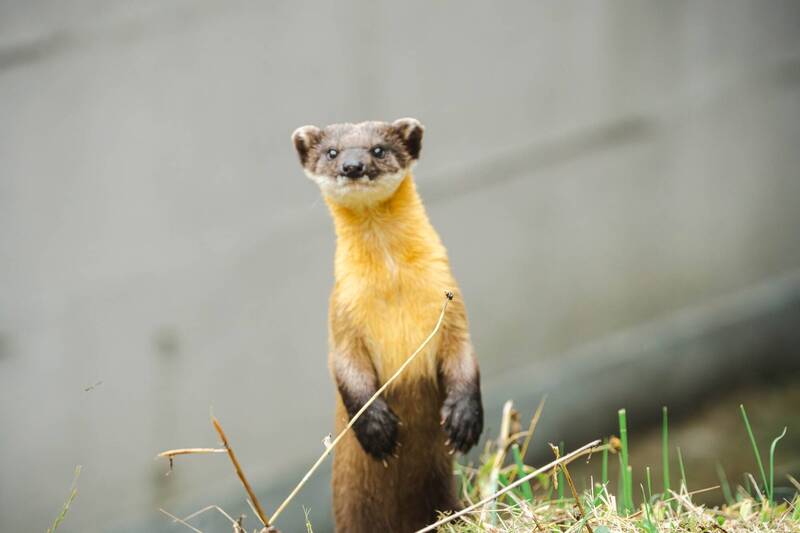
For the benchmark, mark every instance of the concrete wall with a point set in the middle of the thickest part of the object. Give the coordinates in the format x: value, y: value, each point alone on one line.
x: 590, y: 165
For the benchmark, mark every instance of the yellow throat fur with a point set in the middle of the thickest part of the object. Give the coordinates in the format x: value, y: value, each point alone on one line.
x: 391, y: 272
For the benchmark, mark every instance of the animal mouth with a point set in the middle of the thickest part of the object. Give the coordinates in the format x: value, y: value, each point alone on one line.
x: 361, y: 180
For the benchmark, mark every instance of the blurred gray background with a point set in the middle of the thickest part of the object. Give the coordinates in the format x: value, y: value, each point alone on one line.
x: 617, y: 183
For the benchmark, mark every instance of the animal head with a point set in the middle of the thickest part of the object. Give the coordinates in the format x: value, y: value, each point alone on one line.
x: 359, y: 165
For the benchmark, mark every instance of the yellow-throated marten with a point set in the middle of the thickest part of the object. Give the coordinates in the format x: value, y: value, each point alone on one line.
x: 395, y: 471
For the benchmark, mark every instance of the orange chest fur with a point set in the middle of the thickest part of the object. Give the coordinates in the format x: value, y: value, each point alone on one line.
x: 391, y: 274
x: 393, y: 317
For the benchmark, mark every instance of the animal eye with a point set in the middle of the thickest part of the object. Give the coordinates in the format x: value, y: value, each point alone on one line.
x: 378, y: 152
x: 332, y: 153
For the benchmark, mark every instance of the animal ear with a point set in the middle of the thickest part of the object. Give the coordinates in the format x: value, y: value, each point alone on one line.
x: 305, y: 139
x: 410, y: 131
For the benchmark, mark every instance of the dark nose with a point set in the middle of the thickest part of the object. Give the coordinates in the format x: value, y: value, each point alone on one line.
x: 353, y: 169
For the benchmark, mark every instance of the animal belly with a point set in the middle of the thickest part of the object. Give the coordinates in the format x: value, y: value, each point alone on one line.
x: 404, y: 494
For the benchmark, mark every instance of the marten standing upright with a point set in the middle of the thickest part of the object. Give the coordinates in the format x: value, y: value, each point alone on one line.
x: 395, y: 471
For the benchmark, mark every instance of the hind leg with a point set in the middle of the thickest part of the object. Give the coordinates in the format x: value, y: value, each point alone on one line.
x: 361, y: 492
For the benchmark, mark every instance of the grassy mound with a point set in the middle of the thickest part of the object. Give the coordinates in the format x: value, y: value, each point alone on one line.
x: 550, y: 502
x: 601, y: 514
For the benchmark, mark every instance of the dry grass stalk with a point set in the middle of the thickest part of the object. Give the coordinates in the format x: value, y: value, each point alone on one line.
x: 755, y: 486
x: 699, y: 513
x: 181, y: 521
x: 565, y: 459
x: 73, y: 493
x: 239, y: 472
x: 237, y: 524
x: 169, y: 454
x: 572, y: 489
x: 746, y: 516
x: 532, y: 426
x: 329, y: 449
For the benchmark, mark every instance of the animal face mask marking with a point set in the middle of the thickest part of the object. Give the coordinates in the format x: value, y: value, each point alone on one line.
x: 359, y: 164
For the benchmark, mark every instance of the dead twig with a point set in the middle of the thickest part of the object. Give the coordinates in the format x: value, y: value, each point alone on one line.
x: 73, y: 493
x: 563, y: 468
x: 237, y: 524
x: 181, y: 521
x: 239, y: 472
x: 532, y: 427
x: 755, y: 486
x: 169, y: 454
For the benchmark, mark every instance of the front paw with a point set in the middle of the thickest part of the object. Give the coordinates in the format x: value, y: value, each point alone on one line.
x: 376, y: 430
x: 462, y: 417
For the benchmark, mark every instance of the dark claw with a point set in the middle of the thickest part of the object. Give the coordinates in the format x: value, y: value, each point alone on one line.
x: 463, y: 420
x: 376, y: 430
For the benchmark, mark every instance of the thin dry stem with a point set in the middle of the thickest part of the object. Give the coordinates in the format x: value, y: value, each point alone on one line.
x: 354, y: 418
x: 169, y: 454
x: 211, y: 508
x: 755, y: 486
x: 572, y: 488
x: 237, y: 527
x: 259, y: 511
x: 180, y: 521
x: 532, y: 427
x: 73, y: 493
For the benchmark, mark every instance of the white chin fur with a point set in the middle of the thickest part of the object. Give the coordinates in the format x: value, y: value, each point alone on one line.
x: 361, y: 192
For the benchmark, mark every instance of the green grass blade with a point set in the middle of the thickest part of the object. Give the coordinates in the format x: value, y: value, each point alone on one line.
x: 527, y: 491
x: 561, y: 480
x: 726, y: 487
x: 684, y: 485
x: 665, y: 450
x: 629, y: 477
x: 603, y: 474
x: 649, y: 524
x: 621, y: 487
x: 649, y: 485
x: 627, y: 485
x: 73, y: 493
x: 771, y: 488
x: 755, y: 446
